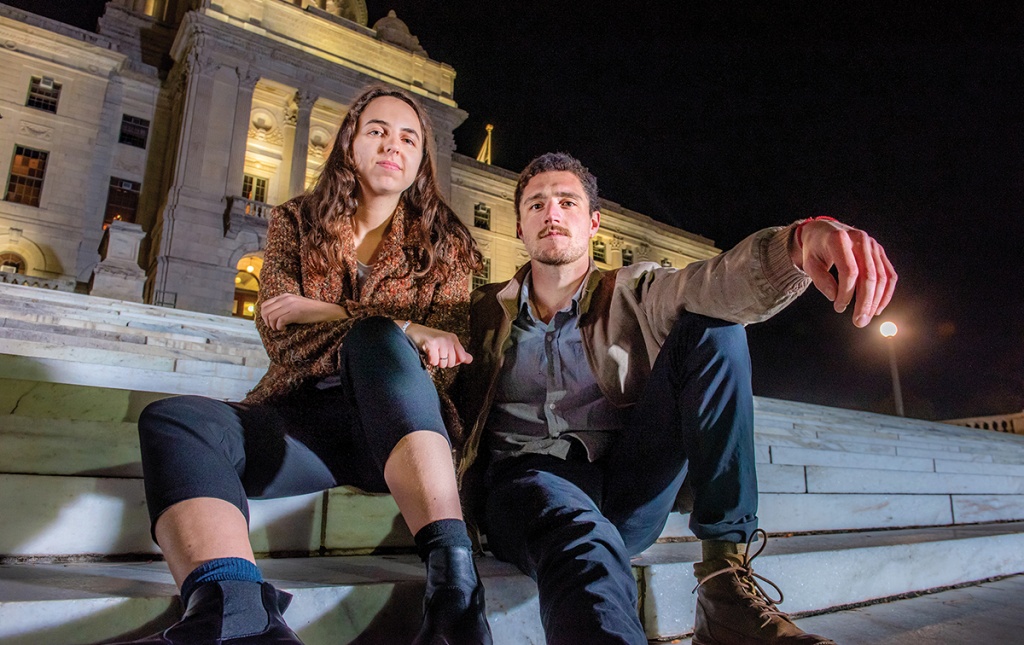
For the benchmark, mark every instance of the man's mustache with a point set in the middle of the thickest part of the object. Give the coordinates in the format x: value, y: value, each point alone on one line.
x: 561, y: 230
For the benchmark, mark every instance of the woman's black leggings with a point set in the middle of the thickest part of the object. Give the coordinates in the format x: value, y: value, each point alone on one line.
x: 313, y: 440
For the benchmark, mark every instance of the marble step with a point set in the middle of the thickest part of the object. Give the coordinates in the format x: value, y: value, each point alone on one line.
x: 95, y: 517
x: 90, y: 516
x: 65, y: 402
x: 50, y: 364
x: 98, y: 350
x: 81, y: 306
x: 857, y: 480
x: 375, y: 599
x: 88, y: 333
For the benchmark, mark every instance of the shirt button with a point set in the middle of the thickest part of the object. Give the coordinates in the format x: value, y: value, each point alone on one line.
x: 551, y: 406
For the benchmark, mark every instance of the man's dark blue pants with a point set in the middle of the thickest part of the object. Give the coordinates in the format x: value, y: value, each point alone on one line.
x: 572, y: 525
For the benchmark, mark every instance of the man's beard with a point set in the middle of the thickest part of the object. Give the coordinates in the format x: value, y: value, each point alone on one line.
x: 558, y: 256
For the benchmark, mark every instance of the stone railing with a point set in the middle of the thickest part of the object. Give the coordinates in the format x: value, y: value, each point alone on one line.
x: 249, y: 207
x: 246, y: 215
x: 1010, y: 423
x: 54, y: 284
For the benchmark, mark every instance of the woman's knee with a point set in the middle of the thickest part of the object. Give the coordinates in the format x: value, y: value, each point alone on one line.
x: 188, y: 424
x: 373, y: 331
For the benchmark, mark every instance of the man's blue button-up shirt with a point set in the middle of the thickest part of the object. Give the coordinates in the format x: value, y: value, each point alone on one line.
x: 546, y: 394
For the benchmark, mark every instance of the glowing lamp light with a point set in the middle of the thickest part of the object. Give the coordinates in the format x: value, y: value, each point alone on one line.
x: 251, y: 308
x: 250, y: 268
x: 888, y: 329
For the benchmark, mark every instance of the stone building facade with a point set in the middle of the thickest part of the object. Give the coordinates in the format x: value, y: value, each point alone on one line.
x: 190, y: 118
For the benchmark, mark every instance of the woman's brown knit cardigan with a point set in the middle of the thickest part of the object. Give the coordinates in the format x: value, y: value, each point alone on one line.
x: 302, y: 353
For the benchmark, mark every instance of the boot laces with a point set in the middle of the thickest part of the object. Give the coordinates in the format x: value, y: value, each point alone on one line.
x: 758, y: 598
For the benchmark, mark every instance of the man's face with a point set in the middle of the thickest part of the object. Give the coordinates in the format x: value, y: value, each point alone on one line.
x: 555, y: 221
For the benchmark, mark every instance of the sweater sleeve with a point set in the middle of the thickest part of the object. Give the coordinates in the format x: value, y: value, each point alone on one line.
x: 300, y: 345
x: 748, y: 284
x: 449, y: 311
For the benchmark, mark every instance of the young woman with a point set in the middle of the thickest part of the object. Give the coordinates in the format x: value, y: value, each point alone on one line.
x: 363, y: 310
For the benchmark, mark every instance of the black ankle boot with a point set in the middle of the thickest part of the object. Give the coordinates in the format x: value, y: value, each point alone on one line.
x: 453, y: 603
x: 220, y: 613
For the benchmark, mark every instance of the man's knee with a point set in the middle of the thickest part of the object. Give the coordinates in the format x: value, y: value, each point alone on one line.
x: 544, y: 515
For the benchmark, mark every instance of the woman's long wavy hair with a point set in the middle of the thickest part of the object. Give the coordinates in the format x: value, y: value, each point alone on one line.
x: 433, y: 230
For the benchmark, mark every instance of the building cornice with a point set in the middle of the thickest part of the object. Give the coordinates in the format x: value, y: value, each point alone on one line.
x: 337, y: 44
x: 53, y: 41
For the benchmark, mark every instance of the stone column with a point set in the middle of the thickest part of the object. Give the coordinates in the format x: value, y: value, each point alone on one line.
x: 196, y: 92
x: 240, y: 132
x: 304, y: 101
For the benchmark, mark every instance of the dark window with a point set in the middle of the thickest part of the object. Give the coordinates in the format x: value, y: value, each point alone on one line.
x: 600, y: 250
x: 665, y: 262
x: 482, y: 216
x: 28, y: 168
x: 43, y: 94
x: 627, y: 257
x: 483, y: 276
x: 122, y: 200
x: 254, y: 188
x: 134, y: 131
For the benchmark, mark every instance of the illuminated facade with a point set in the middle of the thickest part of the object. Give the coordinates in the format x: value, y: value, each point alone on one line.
x: 190, y: 118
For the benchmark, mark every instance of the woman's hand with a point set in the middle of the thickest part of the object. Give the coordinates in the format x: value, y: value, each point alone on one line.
x: 288, y: 308
x: 441, y: 348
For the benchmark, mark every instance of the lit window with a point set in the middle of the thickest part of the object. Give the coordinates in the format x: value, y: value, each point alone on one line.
x: 11, y: 263
x: 134, y: 131
x: 43, y: 94
x: 483, y: 276
x: 482, y: 216
x: 122, y: 201
x: 627, y: 257
x: 600, y: 250
x: 28, y: 168
x: 254, y: 188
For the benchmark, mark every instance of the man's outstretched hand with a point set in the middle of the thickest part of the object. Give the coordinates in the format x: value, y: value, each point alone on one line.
x: 860, y: 261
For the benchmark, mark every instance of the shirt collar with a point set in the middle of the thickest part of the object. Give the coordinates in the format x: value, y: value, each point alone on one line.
x: 526, y: 307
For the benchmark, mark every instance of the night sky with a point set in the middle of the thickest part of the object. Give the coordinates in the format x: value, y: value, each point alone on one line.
x: 900, y: 118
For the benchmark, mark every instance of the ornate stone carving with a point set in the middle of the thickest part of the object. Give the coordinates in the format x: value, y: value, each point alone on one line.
x: 291, y: 114
x: 247, y: 79
x: 305, y: 100
x: 35, y: 130
x: 354, y: 10
x: 391, y: 29
x: 263, y: 126
x: 319, y: 140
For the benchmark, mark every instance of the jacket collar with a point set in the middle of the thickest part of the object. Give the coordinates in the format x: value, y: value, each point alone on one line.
x: 509, y: 294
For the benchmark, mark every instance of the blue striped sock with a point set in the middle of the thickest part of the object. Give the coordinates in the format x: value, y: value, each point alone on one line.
x: 219, y: 570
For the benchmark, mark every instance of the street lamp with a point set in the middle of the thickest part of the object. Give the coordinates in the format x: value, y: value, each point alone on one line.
x: 889, y: 330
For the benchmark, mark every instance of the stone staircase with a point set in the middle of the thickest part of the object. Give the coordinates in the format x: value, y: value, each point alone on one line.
x: 860, y: 506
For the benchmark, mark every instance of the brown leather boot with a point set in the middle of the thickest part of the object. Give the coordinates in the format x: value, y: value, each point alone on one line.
x: 733, y: 609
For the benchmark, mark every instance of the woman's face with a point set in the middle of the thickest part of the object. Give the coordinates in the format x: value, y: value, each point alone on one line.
x: 387, y: 147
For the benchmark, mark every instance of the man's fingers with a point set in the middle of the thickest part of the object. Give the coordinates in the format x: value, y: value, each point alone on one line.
x: 890, y: 281
x: 822, y: 279
x: 847, y: 271
x: 866, y: 280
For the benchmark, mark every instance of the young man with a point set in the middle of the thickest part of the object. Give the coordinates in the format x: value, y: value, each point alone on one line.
x: 592, y: 394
